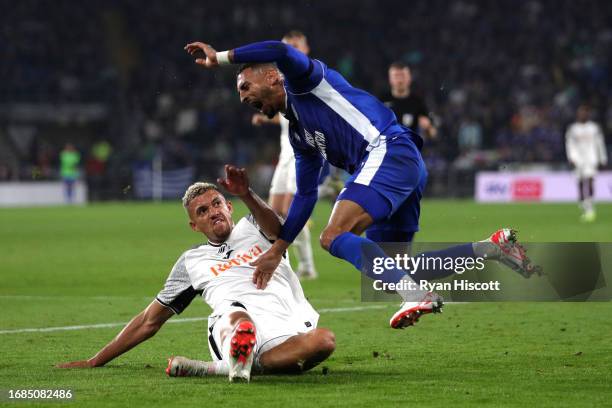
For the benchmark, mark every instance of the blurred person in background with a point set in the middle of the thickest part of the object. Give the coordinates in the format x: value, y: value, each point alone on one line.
x: 409, y: 108
x: 586, y: 151
x: 96, y: 168
x: 283, y: 186
x: 69, y: 169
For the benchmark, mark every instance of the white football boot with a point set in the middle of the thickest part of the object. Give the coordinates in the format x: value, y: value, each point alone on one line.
x: 410, y: 312
x: 508, y: 251
x: 183, y: 367
x: 242, y: 351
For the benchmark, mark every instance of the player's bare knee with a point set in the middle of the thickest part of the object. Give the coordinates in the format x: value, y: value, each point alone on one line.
x: 328, y: 235
x: 326, y: 341
x: 236, y: 317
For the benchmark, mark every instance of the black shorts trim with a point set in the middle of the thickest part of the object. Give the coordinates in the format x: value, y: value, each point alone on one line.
x: 213, y: 344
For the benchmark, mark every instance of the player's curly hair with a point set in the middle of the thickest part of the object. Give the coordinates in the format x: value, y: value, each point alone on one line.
x: 195, y: 190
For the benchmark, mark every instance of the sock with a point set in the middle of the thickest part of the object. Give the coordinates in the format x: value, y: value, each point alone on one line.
x: 220, y: 367
x: 361, y: 252
x: 303, y: 251
x: 354, y: 249
x: 588, y: 205
x: 486, y: 249
x: 197, y: 368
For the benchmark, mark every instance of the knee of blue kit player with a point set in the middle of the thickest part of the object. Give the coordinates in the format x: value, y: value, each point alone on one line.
x: 328, y: 235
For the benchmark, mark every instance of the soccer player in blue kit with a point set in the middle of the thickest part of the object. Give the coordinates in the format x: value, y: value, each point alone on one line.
x: 351, y: 129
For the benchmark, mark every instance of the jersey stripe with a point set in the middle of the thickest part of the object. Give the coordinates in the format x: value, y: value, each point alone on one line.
x: 338, y: 103
x: 375, y: 159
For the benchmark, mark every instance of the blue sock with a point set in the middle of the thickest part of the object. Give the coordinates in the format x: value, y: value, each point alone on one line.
x: 454, y: 252
x: 361, y: 252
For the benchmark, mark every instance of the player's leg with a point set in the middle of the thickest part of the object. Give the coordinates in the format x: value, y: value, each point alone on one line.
x: 501, y: 246
x: 232, y: 341
x: 387, y: 178
x: 299, y: 353
x: 588, y: 205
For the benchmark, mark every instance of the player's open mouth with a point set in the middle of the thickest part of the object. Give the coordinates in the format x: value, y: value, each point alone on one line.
x: 257, y: 105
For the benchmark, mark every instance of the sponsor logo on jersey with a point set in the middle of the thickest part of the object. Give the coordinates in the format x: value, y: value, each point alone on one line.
x: 238, y: 260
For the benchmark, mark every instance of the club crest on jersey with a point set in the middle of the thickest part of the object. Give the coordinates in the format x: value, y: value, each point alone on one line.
x: 238, y: 260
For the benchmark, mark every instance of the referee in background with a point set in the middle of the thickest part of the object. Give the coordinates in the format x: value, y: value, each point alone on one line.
x: 410, y: 109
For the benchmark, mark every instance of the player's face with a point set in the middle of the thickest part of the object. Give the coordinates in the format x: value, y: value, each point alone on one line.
x: 262, y: 89
x: 298, y: 42
x: 583, y: 113
x: 399, y: 78
x: 211, y: 215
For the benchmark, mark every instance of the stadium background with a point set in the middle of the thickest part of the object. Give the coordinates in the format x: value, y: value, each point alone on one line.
x: 502, y: 80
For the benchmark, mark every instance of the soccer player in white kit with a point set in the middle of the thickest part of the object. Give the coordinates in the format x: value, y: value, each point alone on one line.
x: 272, y: 330
x: 586, y: 151
x: 283, y: 186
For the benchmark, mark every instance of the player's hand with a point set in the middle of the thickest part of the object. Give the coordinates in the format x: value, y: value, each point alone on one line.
x: 259, y: 119
x: 236, y: 181
x: 208, y: 60
x: 76, y: 364
x: 265, y: 265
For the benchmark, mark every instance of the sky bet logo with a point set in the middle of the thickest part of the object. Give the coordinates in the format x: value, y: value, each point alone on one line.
x: 497, y: 188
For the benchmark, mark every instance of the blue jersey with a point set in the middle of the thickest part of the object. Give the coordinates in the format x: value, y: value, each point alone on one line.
x: 329, y: 120
x: 335, y: 120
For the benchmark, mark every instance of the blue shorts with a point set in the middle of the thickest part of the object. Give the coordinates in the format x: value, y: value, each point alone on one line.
x: 389, y: 186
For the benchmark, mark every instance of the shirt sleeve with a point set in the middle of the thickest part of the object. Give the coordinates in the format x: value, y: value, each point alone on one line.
x: 177, y: 292
x: 601, y: 147
x: 308, y: 169
x: 570, y: 146
x: 251, y: 218
x: 301, y: 73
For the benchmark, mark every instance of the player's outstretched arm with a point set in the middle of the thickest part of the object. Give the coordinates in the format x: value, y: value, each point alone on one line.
x: 308, y: 169
x: 289, y: 60
x: 140, y: 328
x: 236, y: 182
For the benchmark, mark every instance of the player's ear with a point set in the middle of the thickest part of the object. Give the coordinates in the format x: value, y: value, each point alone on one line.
x: 193, y: 226
x: 230, y: 207
x: 272, y: 76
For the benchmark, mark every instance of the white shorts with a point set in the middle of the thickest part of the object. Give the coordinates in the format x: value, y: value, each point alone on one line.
x: 270, y: 331
x: 586, y: 170
x: 283, y: 180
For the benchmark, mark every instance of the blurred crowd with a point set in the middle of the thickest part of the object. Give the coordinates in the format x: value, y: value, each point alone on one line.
x: 502, y: 79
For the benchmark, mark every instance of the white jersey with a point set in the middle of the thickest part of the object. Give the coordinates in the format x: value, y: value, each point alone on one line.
x: 585, y: 145
x: 283, y: 181
x: 286, y: 151
x: 221, y: 274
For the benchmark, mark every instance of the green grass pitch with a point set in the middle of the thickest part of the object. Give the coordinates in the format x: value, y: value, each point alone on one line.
x: 104, y: 263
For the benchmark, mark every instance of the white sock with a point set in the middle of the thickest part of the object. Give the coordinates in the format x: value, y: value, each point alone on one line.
x: 303, y: 250
x: 588, y: 205
x: 198, y: 368
x: 408, y: 295
x: 220, y: 367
